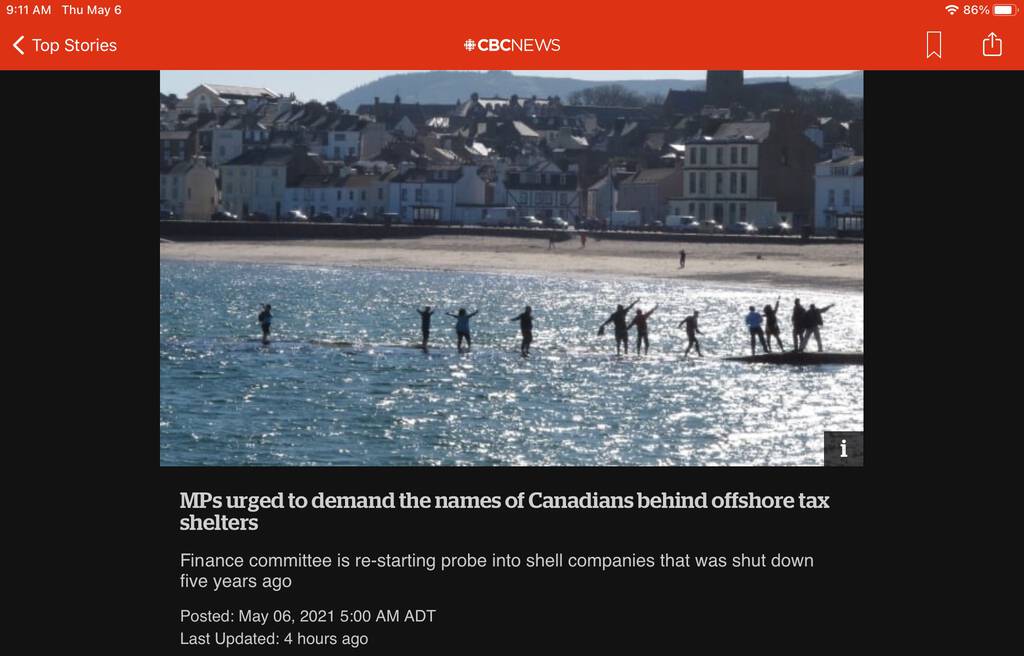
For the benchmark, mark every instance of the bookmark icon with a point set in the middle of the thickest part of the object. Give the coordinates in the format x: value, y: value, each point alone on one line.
x: 933, y: 45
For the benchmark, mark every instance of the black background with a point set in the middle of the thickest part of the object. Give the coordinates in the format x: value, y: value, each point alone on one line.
x: 84, y: 421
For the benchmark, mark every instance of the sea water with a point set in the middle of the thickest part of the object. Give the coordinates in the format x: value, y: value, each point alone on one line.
x: 341, y: 384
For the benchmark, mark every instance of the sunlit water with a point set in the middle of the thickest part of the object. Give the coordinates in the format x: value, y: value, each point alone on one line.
x: 225, y: 399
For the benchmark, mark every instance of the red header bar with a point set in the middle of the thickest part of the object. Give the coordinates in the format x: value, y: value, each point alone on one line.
x: 657, y: 34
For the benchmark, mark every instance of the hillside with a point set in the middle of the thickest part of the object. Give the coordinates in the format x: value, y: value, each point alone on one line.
x: 449, y: 86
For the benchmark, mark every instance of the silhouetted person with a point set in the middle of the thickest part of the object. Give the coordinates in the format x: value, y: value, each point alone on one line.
x: 754, y: 321
x: 526, y: 328
x: 640, y: 321
x: 618, y: 318
x: 583, y: 240
x: 682, y: 258
x: 264, y: 319
x: 425, y: 315
x: 462, y: 327
x: 813, y: 323
x: 798, y: 324
x: 771, y: 324
x: 691, y: 333
x: 551, y: 241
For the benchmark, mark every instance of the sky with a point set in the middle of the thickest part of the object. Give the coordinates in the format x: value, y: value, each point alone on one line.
x: 328, y: 85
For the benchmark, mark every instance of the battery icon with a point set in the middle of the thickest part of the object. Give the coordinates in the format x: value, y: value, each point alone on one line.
x: 1004, y: 10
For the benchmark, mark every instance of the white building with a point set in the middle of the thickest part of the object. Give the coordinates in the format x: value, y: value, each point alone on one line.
x: 218, y: 97
x: 838, y: 189
x: 432, y: 194
x: 189, y: 189
x: 255, y: 182
x: 341, y: 197
x: 541, y: 189
x: 722, y: 176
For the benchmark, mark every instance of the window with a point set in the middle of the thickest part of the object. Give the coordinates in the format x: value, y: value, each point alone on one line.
x: 743, y: 155
x: 405, y: 195
x: 418, y: 196
x: 732, y: 182
x: 703, y: 155
x: 702, y: 212
x: 732, y: 155
x: 362, y: 195
x: 719, y: 183
x: 846, y: 198
x: 743, y: 183
x: 732, y: 212
x: 719, y: 211
x: 703, y: 183
x: 352, y: 195
x: 693, y: 183
x: 718, y: 156
x: 693, y: 209
x: 743, y: 211
x: 831, y: 197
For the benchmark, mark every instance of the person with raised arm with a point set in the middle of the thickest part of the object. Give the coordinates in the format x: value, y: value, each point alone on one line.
x: 425, y: 315
x: 462, y: 327
x: 618, y: 318
x: 640, y: 321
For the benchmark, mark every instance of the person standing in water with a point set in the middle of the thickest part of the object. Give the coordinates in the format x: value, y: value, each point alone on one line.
x: 691, y: 333
x: 798, y: 324
x: 425, y: 315
x: 618, y: 318
x: 682, y: 258
x: 771, y: 320
x: 526, y: 328
x: 813, y: 323
x: 264, y: 319
x: 462, y: 327
x: 640, y: 321
x: 754, y: 320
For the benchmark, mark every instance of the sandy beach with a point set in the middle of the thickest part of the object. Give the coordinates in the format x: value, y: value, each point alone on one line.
x: 832, y: 266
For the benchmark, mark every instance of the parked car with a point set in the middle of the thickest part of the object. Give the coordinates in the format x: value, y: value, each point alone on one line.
x: 710, y: 226
x: 779, y: 228
x: 359, y: 217
x: 742, y: 228
x: 530, y: 222
x: 655, y: 226
x: 556, y: 222
x: 593, y: 224
x: 167, y: 215
x: 690, y: 226
x: 296, y: 215
x: 322, y: 217
x: 223, y: 215
x: 259, y: 216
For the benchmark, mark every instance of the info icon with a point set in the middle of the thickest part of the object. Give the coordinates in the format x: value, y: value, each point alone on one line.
x: 844, y: 448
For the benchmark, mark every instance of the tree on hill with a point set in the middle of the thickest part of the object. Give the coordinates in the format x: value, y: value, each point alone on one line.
x: 607, y: 95
x: 827, y: 102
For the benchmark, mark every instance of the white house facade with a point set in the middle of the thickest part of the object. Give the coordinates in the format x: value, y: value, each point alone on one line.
x: 838, y: 189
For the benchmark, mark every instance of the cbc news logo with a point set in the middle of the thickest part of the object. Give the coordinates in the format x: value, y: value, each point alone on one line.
x: 491, y: 44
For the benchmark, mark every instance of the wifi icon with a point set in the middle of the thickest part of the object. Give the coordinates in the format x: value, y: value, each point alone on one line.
x: 951, y: 9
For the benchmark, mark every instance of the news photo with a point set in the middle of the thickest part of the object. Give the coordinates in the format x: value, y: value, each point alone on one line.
x: 510, y: 268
